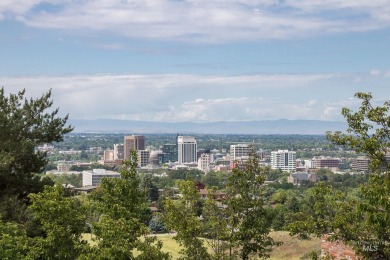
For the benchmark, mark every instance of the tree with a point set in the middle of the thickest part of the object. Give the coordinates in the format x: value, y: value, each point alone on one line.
x: 368, y: 131
x: 25, y: 124
x: 14, y: 243
x: 215, y: 226
x: 182, y: 216
x: 156, y: 225
x: 63, y: 221
x: 367, y: 222
x: 67, y: 178
x: 362, y: 220
x: 149, y: 187
x: 318, y: 209
x: 247, y: 217
x: 121, y: 205
x: 215, y: 179
x: 237, y: 229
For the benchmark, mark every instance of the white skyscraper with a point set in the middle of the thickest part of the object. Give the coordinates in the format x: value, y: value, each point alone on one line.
x: 284, y: 160
x: 186, y: 147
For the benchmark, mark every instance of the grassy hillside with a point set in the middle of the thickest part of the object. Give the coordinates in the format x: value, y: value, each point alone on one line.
x: 292, y: 248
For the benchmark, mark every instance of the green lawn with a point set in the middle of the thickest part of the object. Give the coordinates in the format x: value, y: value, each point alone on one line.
x: 292, y: 248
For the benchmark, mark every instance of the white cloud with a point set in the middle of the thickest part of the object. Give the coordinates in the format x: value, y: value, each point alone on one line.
x: 186, y: 97
x: 375, y: 72
x: 203, y: 21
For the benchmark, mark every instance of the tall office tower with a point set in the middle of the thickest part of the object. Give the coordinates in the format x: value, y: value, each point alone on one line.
x: 240, y: 152
x: 284, y: 160
x: 133, y: 142
x: 186, y: 148
x: 118, y: 151
x: 170, y: 153
x: 143, y: 158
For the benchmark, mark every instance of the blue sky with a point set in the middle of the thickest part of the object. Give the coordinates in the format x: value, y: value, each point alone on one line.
x: 197, y: 60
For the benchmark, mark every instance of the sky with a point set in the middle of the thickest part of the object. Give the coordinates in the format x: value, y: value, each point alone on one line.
x: 197, y: 60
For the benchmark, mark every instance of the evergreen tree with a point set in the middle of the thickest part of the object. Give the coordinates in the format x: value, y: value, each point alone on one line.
x: 25, y: 124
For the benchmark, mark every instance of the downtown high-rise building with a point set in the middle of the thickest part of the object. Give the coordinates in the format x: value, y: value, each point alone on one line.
x: 240, y: 152
x: 284, y: 160
x: 170, y: 153
x: 118, y: 151
x: 132, y: 142
x: 186, y: 148
x: 143, y: 158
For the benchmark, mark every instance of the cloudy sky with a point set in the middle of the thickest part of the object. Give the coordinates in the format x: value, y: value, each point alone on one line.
x: 197, y: 60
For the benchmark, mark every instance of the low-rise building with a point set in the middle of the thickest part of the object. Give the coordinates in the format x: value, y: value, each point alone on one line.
x: 93, y: 178
x: 297, y: 178
x: 327, y: 162
x: 360, y: 164
x: 63, y: 167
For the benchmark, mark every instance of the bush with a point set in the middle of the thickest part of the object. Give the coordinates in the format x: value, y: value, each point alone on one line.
x: 156, y: 225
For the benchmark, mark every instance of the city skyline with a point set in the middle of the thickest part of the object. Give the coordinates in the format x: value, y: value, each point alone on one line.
x: 198, y: 61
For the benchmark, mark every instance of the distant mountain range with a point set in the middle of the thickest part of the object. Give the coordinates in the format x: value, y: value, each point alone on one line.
x: 281, y: 126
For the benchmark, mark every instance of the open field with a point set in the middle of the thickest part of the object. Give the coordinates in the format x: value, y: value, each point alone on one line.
x: 292, y: 248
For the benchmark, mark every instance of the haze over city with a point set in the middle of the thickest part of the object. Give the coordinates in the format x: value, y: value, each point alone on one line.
x: 197, y: 61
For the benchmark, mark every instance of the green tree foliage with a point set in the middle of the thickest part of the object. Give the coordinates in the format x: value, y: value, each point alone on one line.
x: 63, y: 221
x: 215, y: 179
x: 151, y: 189
x: 183, y: 174
x: 215, y: 226
x: 14, y: 243
x: 318, y: 209
x: 361, y: 219
x: 181, y: 216
x: 121, y: 205
x: 367, y: 222
x: 67, y: 178
x: 156, y: 225
x: 25, y: 124
x: 368, y: 131
x: 237, y: 228
x: 247, y: 217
